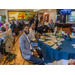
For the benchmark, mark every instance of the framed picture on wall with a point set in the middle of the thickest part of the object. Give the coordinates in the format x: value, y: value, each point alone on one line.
x: 14, y: 15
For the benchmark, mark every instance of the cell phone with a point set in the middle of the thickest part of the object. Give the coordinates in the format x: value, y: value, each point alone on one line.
x: 58, y: 48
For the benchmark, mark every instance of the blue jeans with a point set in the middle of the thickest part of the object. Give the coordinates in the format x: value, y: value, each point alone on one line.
x: 37, y: 60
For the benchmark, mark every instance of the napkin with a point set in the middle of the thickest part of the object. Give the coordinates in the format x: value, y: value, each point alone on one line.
x: 73, y: 45
x: 49, y: 43
x: 72, y: 36
x: 59, y: 43
x: 48, y: 38
x: 60, y: 39
x: 54, y: 47
x: 41, y: 40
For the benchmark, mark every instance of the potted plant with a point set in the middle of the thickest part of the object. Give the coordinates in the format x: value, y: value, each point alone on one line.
x: 3, y: 17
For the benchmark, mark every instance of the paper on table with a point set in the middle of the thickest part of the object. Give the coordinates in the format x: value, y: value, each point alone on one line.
x: 55, y: 46
x: 41, y: 40
x: 72, y: 36
x: 61, y: 39
x: 59, y: 43
x: 48, y: 38
x: 73, y: 45
x: 48, y: 33
x: 49, y: 43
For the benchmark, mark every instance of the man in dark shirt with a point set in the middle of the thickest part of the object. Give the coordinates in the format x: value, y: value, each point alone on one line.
x: 31, y: 20
x: 42, y: 29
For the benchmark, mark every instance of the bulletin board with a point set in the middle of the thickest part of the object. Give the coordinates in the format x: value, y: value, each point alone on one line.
x: 16, y: 15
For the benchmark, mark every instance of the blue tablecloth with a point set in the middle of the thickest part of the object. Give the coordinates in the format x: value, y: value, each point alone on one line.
x: 67, y: 52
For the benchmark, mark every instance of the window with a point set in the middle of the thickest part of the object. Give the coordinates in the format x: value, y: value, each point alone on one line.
x: 71, y: 18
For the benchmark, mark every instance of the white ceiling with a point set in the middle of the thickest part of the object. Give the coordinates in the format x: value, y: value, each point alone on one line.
x: 46, y: 10
x: 20, y: 9
x: 35, y: 10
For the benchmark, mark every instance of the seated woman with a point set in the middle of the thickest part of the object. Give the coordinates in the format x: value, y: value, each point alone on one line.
x: 7, y: 28
x: 8, y: 41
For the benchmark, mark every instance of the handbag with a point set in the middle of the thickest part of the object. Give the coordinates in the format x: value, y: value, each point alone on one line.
x: 1, y: 57
x: 2, y: 48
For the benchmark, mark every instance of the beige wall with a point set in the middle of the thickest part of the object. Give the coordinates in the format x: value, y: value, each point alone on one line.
x: 2, y: 11
x: 5, y: 11
x: 52, y: 15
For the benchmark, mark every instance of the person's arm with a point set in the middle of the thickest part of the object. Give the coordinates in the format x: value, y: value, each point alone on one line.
x: 47, y: 29
x: 38, y: 31
x: 37, y: 37
x: 22, y: 47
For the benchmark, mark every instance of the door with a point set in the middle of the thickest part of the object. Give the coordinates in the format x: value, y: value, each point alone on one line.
x: 46, y: 17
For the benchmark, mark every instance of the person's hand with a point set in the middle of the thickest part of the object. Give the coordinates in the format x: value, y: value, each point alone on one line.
x: 35, y: 54
x: 36, y: 41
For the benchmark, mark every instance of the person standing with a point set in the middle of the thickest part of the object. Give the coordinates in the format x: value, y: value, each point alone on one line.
x: 31, y: 20
x: 36, y: 23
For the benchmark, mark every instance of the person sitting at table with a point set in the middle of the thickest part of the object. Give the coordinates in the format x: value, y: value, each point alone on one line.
x: 7, y: 28
x: 3, y: 23
x: 28, y: 52
x: 22, y: 22
x: 51, y: 26
x: 10, y: 22
x: 18, y: 25
x: 12, y: 26
x: 42, y: 29
x: 32, y: 34
x: 46, y: 23
x: 8, y: 40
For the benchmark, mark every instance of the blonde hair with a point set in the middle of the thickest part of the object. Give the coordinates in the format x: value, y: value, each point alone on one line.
x: 6, y: 24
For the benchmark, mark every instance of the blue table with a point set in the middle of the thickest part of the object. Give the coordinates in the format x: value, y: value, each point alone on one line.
x: 50, y: 55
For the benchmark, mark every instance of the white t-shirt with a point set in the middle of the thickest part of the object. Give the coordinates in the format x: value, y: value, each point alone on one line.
x: 29, y: 43
x: 32, y: 34
x: 46, y: 23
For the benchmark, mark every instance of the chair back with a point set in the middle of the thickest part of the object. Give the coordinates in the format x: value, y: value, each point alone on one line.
x: 72, y: 30
x: 16, y: 30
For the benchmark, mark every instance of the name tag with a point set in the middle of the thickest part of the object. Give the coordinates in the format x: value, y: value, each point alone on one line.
x: 44, y: 29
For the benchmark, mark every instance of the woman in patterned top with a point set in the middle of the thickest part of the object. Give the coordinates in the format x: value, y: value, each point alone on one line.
x: 8, y: 40
x: 7, y: 28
